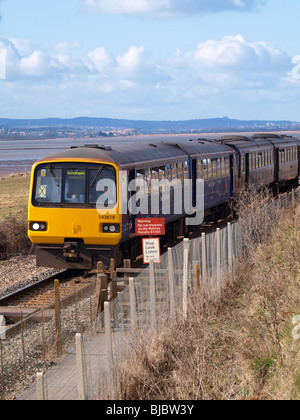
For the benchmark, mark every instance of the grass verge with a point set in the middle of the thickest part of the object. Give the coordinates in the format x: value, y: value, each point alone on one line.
x: 14, y: 191
x: 243, y: 346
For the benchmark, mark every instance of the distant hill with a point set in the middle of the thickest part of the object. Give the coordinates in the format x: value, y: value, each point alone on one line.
x: 210, y: 124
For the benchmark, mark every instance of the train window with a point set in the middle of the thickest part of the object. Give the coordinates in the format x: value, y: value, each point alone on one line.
x: 102, y: 181
x: 140, y: 173
x: 48, y: 185
x: 180, y: 171
x: 205, y: 169
x: 148, y: 178
x: 186, y: 170
x: 75, y: 186
x: 199, y: 169
x: 243, y: 164
x: 155, y: 173
x: 161, y: 172
x: 173, y: 171
x: 214, y: 168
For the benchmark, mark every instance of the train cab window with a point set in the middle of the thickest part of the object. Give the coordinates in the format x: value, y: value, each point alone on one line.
x: 48, y: 185
x: 75, y: 186
x: 103, y: 181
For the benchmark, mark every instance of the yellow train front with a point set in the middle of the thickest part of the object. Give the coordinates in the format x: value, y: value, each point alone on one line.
x: 66, y: 221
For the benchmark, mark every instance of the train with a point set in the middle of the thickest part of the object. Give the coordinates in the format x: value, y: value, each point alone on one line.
x: 78, y: 211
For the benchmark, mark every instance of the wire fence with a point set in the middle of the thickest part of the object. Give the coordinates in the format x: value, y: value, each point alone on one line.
x: 146, y: 305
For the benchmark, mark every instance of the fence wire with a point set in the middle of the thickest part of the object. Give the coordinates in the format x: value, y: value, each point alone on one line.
x: 145, y: 306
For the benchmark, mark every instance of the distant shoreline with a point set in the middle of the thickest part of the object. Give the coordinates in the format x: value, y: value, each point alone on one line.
x: 14, y: 166
x: 8, y: 168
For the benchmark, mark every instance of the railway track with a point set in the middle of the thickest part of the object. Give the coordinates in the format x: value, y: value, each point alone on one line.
x: 31, y: 300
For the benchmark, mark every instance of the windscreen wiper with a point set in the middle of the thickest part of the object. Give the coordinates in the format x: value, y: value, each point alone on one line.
x: 100, y: 170
x: 53, y: 175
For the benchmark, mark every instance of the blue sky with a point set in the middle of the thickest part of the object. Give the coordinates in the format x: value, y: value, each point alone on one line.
x: 150, y: 59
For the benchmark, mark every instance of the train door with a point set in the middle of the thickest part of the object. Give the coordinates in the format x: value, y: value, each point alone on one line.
x: 194, y: 181
x: 131, y: 217
x: 247, y: 171
x: 232, y: 176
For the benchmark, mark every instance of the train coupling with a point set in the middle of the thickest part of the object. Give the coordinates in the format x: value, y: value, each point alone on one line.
x: 71, y: 251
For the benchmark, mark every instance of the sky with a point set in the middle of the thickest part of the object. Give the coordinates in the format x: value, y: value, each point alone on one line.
x: 150, y: 59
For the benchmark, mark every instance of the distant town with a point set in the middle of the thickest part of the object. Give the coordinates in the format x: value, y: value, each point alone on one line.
x: 52, y: 128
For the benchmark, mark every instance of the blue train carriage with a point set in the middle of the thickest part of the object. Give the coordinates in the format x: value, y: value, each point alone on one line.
x: 255, y: 160
x: 215, y: 164
x: 286, y: 155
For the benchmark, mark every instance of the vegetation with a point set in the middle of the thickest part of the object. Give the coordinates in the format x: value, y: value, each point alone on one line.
x: 14, y: 191
x: 241, y: 346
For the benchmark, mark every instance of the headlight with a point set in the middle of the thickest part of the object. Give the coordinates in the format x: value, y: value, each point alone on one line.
x: 38, y: 226
x: 111, y: 228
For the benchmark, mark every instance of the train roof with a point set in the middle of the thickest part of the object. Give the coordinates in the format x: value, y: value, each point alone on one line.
x: 246, y: 144
x: 259, y: 142
x: 278, y: 140
x: 140, y: 154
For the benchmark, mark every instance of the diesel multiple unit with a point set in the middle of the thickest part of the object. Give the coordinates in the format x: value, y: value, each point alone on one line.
x: 77, y: 214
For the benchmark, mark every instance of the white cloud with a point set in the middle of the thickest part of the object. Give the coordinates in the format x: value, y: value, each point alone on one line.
x: 131, y: 61
x: 100, y: 59
x: 170, y: 8
x: 227, y: 74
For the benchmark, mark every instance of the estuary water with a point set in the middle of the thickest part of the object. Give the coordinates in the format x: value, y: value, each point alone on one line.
x: 20, y: 155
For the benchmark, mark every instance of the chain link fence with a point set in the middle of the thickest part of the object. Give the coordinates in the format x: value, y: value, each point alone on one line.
x: 146, y: 305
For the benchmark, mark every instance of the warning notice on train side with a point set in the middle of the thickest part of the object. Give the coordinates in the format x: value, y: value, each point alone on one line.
x: 151, y: 250
x: 150, y: 227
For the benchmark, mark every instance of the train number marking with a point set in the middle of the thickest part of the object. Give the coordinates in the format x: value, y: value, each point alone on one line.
x: 107, y: 217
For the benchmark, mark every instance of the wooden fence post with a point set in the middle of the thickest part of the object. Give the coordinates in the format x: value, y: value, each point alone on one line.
x: 109, y: 347
x: 40, y: 387
x: 2, y: 393
x: 218, y: 233
x: 80, y: 365
x: 171, y: 282
x: 185, y: 277
x: 113, y: 286
x: 58, y: 319
x: 101, y: 294
x: 204, y: 262
x: 230, y: 254
x: 198, y: 285
x: 152, y: 295
x: 133, y: 319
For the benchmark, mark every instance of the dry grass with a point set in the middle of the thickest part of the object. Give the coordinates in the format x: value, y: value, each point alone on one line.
x: 14, y: 191
x: 13, y: 238
x: 242, y: 347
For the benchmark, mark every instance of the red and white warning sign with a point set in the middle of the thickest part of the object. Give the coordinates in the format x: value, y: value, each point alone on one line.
x: 150, y: 227
x: 151, y: 250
